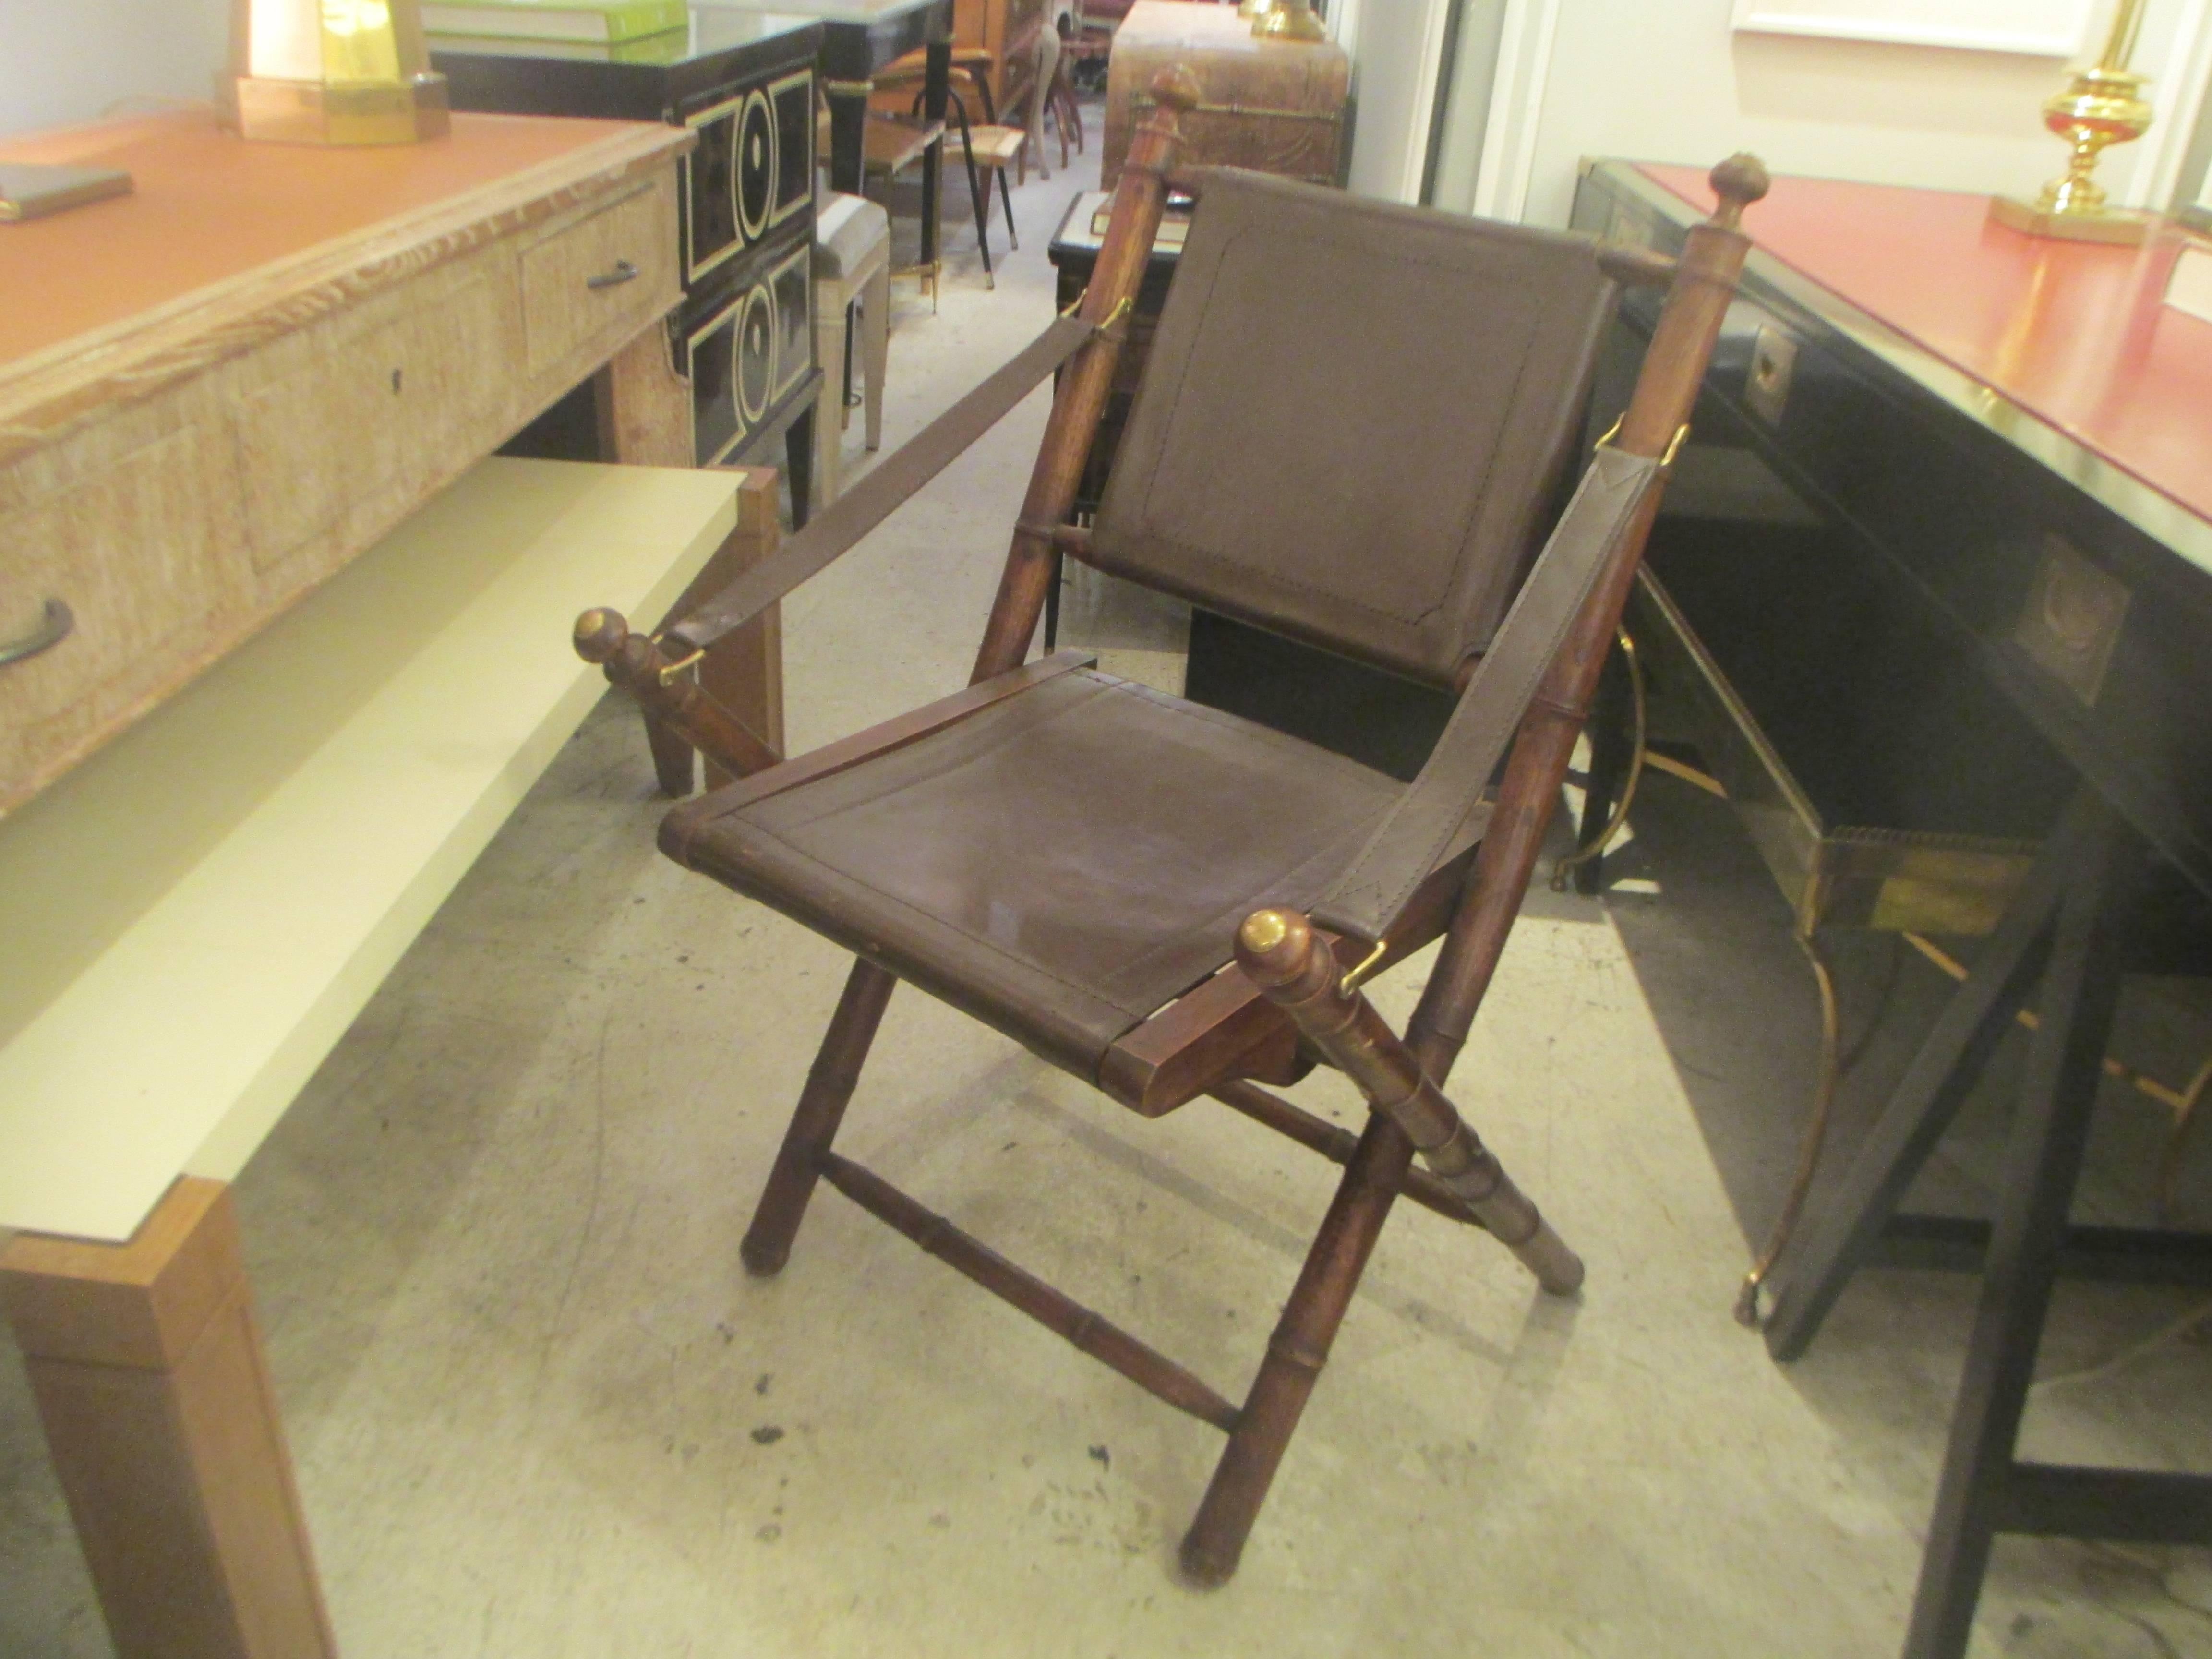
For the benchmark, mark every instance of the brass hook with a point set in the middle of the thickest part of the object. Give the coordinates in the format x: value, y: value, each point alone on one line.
x: 670, y: 671
x: 1359, y: 976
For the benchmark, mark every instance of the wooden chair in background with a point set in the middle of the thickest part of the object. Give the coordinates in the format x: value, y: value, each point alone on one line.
x: 983, y: 148
x: 1072, y: 858
x: 990, y: 151
x: 1090, y: 46
x: 1057, y: 56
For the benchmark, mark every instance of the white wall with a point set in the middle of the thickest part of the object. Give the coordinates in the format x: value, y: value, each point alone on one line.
x: 70, y: 60
x: 1472, y: 72
x: 1669, y: 81
x: 1394, y: 46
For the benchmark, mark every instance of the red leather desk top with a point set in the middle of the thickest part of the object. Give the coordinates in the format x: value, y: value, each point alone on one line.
x: 210, y: 207
x: 2074, y: 332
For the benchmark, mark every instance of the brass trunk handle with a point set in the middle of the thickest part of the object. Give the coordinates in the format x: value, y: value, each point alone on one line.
x: 624, y: 272
x: 53, y: 628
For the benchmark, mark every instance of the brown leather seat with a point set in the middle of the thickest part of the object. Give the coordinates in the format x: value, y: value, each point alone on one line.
x: 1060, y: 864
x: 1067, y: 861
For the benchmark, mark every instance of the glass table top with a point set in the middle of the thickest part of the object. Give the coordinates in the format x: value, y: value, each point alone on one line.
x: 712, y: 29
x: 863, y: 12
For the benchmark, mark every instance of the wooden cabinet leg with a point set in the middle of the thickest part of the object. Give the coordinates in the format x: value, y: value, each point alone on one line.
x: 154, y: 1392
x: 875, y: 349
x: 645, y: 420
x: 744, y: 671
x: 644, y: 406
x: 1976, y: 1497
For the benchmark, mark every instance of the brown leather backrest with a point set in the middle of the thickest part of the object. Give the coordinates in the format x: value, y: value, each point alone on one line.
x: 1354, y: 418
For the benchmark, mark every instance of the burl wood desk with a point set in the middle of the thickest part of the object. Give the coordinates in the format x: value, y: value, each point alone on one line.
x: 1941, y: 543
x: 309, y: 666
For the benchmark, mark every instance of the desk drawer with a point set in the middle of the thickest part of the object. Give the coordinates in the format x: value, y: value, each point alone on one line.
x: 178, y: 489
x: 362, y: 414
x: 600, y: 279
x: 749, y: 345
x: 134, y: 527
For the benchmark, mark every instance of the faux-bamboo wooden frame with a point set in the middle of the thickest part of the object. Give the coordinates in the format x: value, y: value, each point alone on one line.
x: 1287, y: 1001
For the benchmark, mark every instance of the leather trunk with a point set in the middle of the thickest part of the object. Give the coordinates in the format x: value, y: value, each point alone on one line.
x: 1007, y: 29
x: 1272, y: 105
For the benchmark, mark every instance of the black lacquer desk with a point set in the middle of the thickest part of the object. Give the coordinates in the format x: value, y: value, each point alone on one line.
x: 1942, y: 543
x: 859, y: 37
x: 744, y: 82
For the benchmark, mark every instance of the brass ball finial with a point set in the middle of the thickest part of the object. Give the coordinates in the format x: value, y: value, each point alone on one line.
x: 599, y: 634
x: 1739, y: 181
x: 1176, y: 87
x: 1289, y: 20
x: 1263, y: 930
x: 1273, y: 945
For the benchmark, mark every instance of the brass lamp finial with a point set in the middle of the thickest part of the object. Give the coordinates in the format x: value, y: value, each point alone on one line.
x: 2102, y: 106
x: 1282, y: 20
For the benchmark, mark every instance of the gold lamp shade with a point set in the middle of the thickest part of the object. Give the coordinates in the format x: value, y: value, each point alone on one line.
x: 332, y: 72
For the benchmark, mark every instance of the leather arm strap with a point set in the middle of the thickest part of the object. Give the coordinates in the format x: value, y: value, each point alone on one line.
x: 1418, y: 830
x: 885, y: 488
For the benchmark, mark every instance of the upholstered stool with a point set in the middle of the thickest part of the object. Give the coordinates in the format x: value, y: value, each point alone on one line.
x: 852, y: 262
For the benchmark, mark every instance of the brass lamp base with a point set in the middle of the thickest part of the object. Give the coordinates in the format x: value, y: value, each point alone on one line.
x: 314, y: 112
x: 1289, y: 20
x: 2116, y: 226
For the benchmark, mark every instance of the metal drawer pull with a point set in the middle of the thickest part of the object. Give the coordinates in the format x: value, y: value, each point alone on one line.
x: 624, y: 272
x: 51, y: 630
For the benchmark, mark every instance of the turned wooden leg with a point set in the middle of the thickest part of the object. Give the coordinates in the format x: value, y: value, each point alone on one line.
x: 829, y: 1085
x: 1297, y: 1352
x: 155, y: 1396
x: 1280, y: 952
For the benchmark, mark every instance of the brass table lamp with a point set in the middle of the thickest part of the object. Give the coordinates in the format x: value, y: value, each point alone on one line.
x: 1283, y: 19
x: 332, y: 72
x: 2101, y: 107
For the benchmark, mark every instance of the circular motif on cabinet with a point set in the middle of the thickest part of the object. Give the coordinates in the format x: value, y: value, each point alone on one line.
x: 755, y: 355
x: 756, y: 169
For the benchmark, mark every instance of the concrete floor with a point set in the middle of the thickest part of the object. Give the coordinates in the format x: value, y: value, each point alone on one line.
x: 539, y: 1411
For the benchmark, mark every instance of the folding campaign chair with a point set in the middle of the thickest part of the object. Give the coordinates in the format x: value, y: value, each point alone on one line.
x: 1074, y: 860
